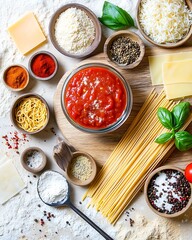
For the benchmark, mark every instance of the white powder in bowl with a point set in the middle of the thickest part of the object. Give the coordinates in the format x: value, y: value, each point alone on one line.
x: 52, y: 187
x: 74, y: 30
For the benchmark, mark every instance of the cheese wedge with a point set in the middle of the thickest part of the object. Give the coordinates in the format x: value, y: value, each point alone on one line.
x: 156, y: 64
x: 10, y: 181
x: 27, y: 33
x: 178, y: 90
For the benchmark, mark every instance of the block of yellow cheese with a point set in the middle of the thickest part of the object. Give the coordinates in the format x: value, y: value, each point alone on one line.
x: 27, y: 33
x: 156, y: 64
x: 177, y: 79
x: 10, y: 181
x: 178, y: 91
x: 177, y: 72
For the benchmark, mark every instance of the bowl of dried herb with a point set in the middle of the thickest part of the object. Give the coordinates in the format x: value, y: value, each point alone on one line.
x: 124, y: 49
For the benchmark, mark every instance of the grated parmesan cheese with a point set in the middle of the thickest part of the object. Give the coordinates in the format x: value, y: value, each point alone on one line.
x: 165, y: 21
x: 81, y: 168
x: 74, y: 31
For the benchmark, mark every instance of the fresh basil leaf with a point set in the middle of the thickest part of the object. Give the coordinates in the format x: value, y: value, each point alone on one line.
x: 165, y: 118
x: 115, y: 17
x: 183, y: 140
x: 180, y: 113
x: 165, y: 137
x: 107, y: 21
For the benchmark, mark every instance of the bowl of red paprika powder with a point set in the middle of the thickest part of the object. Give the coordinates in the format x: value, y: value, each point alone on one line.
x: 16, y: 77
x: 43, y: 65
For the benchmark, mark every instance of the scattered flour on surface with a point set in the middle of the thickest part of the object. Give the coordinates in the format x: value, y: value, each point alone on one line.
x: 143, y: 229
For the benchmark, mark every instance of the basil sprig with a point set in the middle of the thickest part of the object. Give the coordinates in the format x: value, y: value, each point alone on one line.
x: 173, y: 121
x: 115, y: 17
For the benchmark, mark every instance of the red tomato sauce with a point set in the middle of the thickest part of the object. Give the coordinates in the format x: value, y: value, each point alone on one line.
x: 95, y: 97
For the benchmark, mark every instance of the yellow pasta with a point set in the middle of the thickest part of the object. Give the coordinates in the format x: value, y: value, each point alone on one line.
x: 134, y: 157
x: 31, y: 114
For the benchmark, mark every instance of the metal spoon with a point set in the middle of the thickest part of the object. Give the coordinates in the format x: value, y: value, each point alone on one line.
x: 66, y: 202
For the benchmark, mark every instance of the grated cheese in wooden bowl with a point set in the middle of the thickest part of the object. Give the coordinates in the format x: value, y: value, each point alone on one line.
x: 74, y: 30
x: 81, y: 168
x: 165, y: 21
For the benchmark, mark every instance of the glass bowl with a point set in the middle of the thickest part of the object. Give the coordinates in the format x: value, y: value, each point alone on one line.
x: 126, y: 110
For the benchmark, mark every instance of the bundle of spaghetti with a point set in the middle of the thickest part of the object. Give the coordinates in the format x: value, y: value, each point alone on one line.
x: 134, y: 157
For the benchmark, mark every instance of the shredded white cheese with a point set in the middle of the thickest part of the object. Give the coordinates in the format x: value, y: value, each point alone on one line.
x: 165, y: 21
x: 74, y: 31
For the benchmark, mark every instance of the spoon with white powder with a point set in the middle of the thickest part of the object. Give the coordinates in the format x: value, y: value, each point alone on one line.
x: 53, y: 190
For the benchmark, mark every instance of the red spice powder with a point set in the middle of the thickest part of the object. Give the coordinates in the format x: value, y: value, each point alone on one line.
x: 43, y: 65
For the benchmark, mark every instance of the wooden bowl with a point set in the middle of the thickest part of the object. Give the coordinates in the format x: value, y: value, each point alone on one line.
x: 176, y: 214
x: 32, y: 59
x: 164, y: 45
x: 12, y: 112
x: 24, y: 159
x: 77, y: 181
x: 96, y: 23
x: 132, y: 36
x: 4, y: 78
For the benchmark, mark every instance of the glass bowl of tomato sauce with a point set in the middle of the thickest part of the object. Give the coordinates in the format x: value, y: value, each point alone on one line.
x: 96, y: 98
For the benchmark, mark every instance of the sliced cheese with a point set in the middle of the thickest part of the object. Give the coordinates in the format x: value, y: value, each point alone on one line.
x: 179, y: 90
x: 156, y: 64
x: 177, y: 72
x: 10, y: 181
x: 27, y: 33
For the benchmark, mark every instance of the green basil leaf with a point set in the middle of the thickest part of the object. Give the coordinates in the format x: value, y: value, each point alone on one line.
x: 165, y: 118
x: 180, y: 113
x: 165, y: 137
x: 183, y: 140
x: 107, y: 21
x: 115, y: 17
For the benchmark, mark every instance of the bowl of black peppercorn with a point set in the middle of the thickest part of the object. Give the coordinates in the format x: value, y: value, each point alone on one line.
x: 124, y: 49
x: 167, y: 191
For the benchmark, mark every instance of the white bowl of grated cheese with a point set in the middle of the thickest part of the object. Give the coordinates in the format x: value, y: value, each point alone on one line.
x: 165, y: 23
x: 75, y: 31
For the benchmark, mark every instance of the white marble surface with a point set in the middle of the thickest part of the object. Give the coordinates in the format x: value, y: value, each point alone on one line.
x: 18, y: 214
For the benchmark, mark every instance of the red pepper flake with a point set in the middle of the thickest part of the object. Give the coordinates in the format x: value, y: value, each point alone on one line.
x: 13, y: 140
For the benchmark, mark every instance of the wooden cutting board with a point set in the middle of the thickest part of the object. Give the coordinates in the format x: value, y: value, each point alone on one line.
x: 100, y: 146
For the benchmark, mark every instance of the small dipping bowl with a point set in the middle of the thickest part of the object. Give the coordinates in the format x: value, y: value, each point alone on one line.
x: 11, y: 71
x: 33, y: 156
x: 150, y: 184
x: 107, y: 94
x: 70, y: 176
x: 96, y: 23
x: 43, y: 63
x: 15, y: 104
x: 132, y: 36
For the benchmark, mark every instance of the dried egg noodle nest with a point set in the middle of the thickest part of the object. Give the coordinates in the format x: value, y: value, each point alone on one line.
x: 31, y: 114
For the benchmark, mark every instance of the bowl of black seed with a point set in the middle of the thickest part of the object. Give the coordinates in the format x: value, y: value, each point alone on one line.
x: 124, y: 49
x: 167, y: 192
